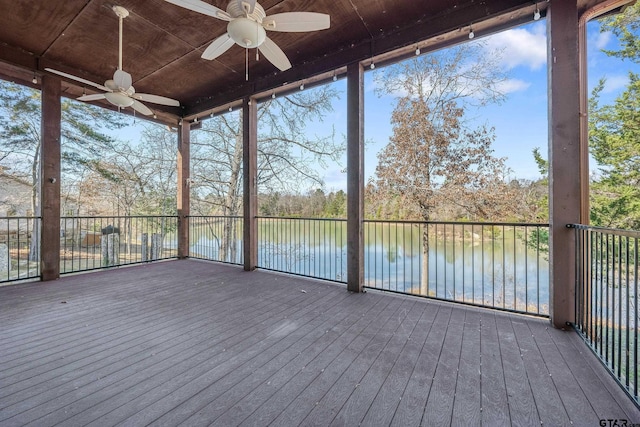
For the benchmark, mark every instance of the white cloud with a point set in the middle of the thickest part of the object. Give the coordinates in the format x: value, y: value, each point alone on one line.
x: 602, y: 39
x: 512, y: 85
x: 615, y: 83
x: 520, y: 47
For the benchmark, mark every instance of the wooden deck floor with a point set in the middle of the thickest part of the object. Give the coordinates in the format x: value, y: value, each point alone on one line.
x: 196, y: 343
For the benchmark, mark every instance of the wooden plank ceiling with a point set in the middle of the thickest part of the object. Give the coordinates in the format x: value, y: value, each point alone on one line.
x: 163, y: 42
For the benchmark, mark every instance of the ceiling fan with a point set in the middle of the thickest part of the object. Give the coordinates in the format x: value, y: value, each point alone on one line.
x: 247, y: 25
x: 119, y: 90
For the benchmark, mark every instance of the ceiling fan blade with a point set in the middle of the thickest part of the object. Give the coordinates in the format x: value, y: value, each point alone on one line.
x: 218, y: 47
x: 92, y: 97
x: 202, y: 7
x: 122, y: 79
x: 274, y: 54
x: 156, y: 99
x: 297, y: 22
x: 141, y: 108
x: 78, y: 79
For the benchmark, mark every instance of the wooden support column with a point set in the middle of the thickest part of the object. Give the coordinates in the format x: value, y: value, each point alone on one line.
x: 50, y: 178
x: 584, y: 121
x: 565, y: 175
x: 184, y: 193
x: 355, y: 177
x: 250, y: 182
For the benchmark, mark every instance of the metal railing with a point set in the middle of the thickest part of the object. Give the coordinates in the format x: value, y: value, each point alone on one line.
x: 498, y: 265
x: 93, y: 242
x: 607, y: 267
x: 312, y: 247
x: 216, y: 238
x: 19, y: 248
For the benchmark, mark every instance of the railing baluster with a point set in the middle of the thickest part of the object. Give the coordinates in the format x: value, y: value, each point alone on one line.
x: 605, y: 313
x: 285, y: 244
x: 473, y: 265
x: 619, y: 306
x: 635, y: 317
x: 515, y: 271
x: 453, y: 264
x: 628, y: 324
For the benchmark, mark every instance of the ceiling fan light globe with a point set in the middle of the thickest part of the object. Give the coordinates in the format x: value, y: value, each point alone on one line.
x: 246, y: 33
x: 119, y: 99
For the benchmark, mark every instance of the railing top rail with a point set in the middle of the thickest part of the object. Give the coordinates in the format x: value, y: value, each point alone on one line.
x: 215, y: 216
x: 616, y: 231
x: 117, y: 216
x: 519, y: 224
x: 302, y: 218
x: 19, y: 217
x: 408, y: 221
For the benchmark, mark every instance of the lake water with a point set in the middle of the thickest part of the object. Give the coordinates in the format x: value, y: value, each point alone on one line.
x: 484, y: 265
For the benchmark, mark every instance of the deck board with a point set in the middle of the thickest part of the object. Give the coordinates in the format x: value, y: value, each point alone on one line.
x: 333, y: 401
x: 390, y: 394
x: 522, y: 406
x: 575, y: 402
x: 170, y: 394
x: 439, y: 409
x: 494, y: 399
x: 410, y: 411
x: 201, y: 343
x: 312, y: 382
x: 356, y: 407
x: 466, y: 405
x: 606, y: 398
x: 550, y: 406
x: 252, y: 408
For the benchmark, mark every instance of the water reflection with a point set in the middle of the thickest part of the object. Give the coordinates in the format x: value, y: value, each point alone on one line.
x: 496, y: 266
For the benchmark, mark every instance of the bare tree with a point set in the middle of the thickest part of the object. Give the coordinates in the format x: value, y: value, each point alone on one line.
x: 135, y: 179
x: 435, y: 157
x: 288, y: 156
x: 83, y: 131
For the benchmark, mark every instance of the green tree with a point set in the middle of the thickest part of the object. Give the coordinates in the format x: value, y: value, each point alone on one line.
x: 83, y: 131
x: 336, y: 206
x: 316, y: 203
x: 614, y: 134
x: 537, y: 197
x: 625, y: 26
x: 614, y: 139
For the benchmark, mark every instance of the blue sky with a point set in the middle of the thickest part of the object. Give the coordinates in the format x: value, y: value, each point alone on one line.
x: 520, y: 122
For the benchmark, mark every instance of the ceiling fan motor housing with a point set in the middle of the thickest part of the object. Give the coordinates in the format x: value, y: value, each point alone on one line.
x: 234, y: 9
x: 246, y: 29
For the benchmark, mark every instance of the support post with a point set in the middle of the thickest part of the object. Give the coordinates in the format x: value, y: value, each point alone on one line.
x: 355, y: 177
x: 184, y: 180
x: 250, y: 182
x: 565, y: 175
x: 50, y: 178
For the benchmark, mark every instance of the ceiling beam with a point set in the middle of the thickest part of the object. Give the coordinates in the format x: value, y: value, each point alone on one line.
x: 490, y: 15
x: 16, y: 57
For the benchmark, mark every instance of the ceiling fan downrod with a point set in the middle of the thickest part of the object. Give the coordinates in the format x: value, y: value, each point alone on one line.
x: 122, y: 13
